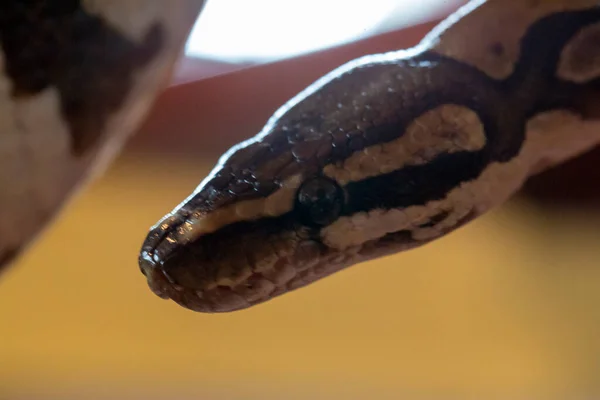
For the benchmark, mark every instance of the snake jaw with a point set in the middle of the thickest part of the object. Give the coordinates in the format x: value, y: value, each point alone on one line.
x: 219, y: 273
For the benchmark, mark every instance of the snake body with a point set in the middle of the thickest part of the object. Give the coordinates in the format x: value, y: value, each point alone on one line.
x: 384, y: 154
x: 77, y: 77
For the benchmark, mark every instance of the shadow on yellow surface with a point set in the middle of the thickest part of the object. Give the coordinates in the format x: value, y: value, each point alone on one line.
x: 508, y: 304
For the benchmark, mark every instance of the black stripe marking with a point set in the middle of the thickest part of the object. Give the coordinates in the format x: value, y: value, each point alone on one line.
x: 414, y: 185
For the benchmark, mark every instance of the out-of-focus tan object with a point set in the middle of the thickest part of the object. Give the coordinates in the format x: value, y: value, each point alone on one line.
x: 78, y: 79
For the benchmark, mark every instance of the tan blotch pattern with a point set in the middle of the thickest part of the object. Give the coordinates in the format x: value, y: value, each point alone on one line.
x: 278, y: 203
x: 580, y: 59
x: 445, y: 129
x: 502, y: 23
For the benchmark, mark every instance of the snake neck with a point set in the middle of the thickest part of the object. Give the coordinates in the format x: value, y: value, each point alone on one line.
x: 546, y: 68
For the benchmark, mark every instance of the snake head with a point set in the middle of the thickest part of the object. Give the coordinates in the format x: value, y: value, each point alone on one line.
x: 253, y: 250
x: 361, y: 164
x: 252, y: 247
x: 386, y: 153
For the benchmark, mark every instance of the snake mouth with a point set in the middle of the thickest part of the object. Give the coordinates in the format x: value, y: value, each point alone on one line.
x: 175, y: 277
x: 284, y: 275
x: 217, y: 273
x: 217, y: 299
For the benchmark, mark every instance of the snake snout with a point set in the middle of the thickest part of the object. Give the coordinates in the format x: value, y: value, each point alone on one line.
x: 176, y: 280
x: 240, y: 265
x: 203, y: 274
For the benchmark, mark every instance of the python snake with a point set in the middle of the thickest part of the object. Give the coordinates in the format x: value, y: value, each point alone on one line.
x: 384, y: 154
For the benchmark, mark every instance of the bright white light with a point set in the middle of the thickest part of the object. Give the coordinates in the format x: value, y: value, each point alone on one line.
x: 238, y: 30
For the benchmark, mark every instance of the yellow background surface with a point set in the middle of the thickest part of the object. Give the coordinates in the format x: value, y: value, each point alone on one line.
x: 508, y: 304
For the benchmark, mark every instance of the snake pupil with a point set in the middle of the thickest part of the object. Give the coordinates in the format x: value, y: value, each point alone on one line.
x: 319, y: 201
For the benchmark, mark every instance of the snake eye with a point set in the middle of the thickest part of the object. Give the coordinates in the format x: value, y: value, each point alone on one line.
x: 319, y: 201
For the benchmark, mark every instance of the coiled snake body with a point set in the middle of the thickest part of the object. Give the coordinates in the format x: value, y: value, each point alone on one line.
x: 386, y: 153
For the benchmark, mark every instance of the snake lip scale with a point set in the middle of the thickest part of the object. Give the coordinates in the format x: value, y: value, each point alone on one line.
x: 384, y: 154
